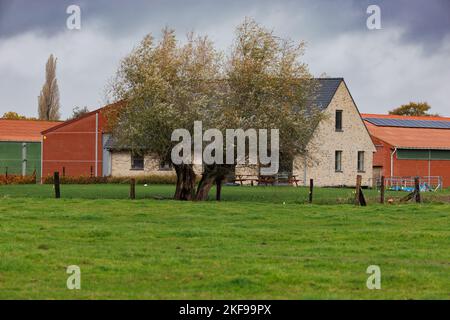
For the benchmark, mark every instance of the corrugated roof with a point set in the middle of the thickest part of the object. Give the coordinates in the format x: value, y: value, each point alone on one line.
x: 24, y: 130
x: 410, y: 138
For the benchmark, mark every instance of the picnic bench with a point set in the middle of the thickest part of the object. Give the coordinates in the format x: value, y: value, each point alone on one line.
x: 277, y: 179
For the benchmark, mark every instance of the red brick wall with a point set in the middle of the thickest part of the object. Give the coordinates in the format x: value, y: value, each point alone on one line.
x: 382, y: 158
x: 408, y: 168
x: 72, y: 147
x: 420, y: 168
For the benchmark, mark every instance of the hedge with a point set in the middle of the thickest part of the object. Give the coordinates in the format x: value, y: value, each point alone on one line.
x: 147, y: 179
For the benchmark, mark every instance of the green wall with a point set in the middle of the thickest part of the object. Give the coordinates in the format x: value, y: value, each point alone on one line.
x: 410, y: 154
x: 11, y: 158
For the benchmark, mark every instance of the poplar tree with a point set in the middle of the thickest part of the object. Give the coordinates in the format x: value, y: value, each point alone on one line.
x: 48, y: 100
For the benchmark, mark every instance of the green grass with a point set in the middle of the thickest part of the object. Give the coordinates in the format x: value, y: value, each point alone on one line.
x: 255, y: 194
x: 254, y: 248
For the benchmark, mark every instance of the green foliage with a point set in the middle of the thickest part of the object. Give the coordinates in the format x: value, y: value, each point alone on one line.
x: 167, y: 86
x: 413, y: 109
x: 268, y: 87
x: 11, y: 115
x: 260, y: 84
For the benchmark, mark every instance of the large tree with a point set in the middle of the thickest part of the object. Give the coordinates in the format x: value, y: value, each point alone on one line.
x: 260, y: 84
x: 48, y: 100
x: 166, y: 86
x: 266, y: 86
x: 412, y: 109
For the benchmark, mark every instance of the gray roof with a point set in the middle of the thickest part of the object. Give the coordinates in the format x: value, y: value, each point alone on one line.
x: 325, y: 91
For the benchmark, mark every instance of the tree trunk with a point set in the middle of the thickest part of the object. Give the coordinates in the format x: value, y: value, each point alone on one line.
x: 205, y: 185
x: 211, y: 175
x: 185, y: 182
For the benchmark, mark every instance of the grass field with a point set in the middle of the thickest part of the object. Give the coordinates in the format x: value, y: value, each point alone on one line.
x: 250, y: 246
x: 253, y: 194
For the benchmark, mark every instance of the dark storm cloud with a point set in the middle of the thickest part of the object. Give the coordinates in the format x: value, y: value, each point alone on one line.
x: 425, y: 22
x: 18, y: 16
x: 414, y: 44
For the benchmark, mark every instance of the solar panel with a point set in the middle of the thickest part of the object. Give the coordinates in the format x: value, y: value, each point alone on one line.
x: 405, y: 123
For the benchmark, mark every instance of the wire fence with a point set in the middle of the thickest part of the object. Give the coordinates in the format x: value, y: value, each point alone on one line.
x: 427, y: 183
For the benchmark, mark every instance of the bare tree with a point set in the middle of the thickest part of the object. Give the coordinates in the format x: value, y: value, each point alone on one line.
x: 48, y: 100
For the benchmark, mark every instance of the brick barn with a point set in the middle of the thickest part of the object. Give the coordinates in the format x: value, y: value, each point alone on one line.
x: 20, y: 146
x: 410, y: 146
x: 82, y: 147
x: 76, y: 147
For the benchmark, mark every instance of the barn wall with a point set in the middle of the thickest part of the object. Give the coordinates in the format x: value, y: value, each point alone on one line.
x: 412, y: 168
x: 11, y: 158
x: 71, y: 148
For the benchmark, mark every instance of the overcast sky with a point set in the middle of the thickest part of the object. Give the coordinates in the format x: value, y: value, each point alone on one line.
x: 407, y: 60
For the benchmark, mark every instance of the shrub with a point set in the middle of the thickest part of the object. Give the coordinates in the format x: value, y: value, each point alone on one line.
x: 17, y: 179
x: 147, y: 179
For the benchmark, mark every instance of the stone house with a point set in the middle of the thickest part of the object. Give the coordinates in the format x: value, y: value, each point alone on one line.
x: 341, y: 147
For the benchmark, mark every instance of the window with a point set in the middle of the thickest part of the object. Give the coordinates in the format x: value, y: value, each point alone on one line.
x: 338, y: 161
x: 137, y: 161
x: 360, y: 161
x: 165, y: 166
x: 338, y: 120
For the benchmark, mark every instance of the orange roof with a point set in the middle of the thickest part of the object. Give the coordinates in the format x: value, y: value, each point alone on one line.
x: 410, y: 138
x: 24, y: 130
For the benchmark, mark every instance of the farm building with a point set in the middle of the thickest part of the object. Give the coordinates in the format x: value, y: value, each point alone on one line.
x: 411, y: 147
x: 82, y: 147
x: 340, y: 149
x: 20, y: 146
x: 76, y: 147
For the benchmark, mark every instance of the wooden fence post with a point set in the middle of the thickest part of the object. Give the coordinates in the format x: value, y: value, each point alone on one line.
x: 358, y: 189
x: 382, y: 190
x: 218, y: 189
x: 56, y: 183
x: 415, y: 194
x: 311, y: 189
x: 417, y: 190
x: 132, y: 189
x: 359, y: 196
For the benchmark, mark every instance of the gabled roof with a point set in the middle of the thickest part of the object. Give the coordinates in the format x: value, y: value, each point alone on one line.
x: 407, y: 137
x: 24, y: 130
x: 325, y: 92
x: 65, y: 123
